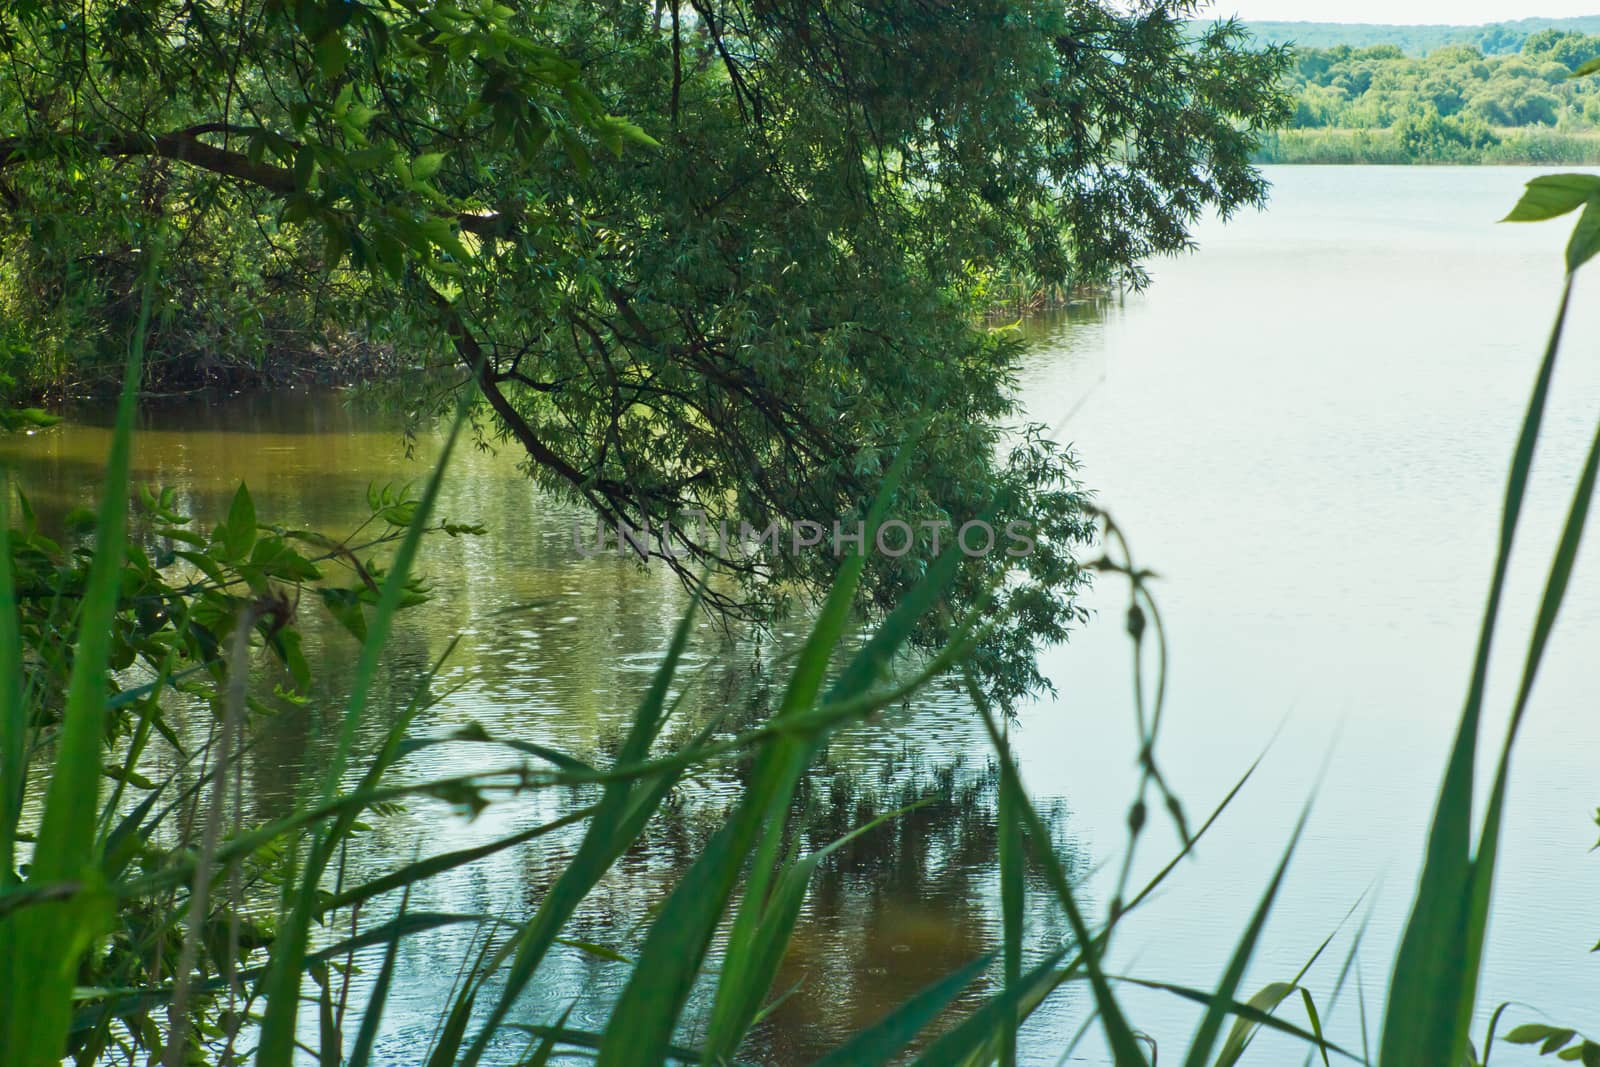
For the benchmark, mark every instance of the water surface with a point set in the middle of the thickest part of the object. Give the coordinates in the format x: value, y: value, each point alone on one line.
x: 1304, y: 428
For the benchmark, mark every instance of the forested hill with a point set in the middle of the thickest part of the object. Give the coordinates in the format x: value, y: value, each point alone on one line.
x: 1502, y: 93
x: 1494, y: 39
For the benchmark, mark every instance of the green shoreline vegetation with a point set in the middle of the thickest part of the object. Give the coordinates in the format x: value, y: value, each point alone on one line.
x: 1387, y: 147
x: 1456, y: 104
x: 1494, y: 38
x: 688, y: 258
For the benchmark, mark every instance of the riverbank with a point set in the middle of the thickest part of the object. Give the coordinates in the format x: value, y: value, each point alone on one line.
x: 1384, y: 145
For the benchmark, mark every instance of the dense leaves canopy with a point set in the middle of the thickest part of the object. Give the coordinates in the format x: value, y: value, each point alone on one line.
x: 742, y: 297
x: 1380, y: 86
x: 1494, y: 38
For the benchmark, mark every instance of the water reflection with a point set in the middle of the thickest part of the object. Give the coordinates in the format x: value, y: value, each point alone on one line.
x: 555, y: 648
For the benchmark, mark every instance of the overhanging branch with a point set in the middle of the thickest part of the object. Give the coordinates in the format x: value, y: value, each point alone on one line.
x: 185, y: 146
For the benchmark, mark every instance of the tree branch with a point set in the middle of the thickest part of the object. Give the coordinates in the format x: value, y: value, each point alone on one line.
x: 185, y: 146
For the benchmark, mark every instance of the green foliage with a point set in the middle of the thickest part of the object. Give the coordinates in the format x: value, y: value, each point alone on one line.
x: 100, y: 634
x: 166, y: 612
x: 1454, y: 105
x: 1558, y: 1040
x: 765, y: 301
x: 1496, y: 38
x: 1424, y: 134
x: 1553, y: 195
x: 182, y: 591
x: 738, y: 300
x: 1433, y: 989
x: 240, y: 996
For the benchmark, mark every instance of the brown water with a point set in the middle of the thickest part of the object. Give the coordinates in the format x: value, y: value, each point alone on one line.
x: 1305, y: 428
x: 556, y: 648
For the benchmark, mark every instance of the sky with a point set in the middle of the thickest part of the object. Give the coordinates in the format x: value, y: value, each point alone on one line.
x: 1405, y: 11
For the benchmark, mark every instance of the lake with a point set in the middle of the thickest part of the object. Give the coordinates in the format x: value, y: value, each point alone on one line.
x: 1303, y: 427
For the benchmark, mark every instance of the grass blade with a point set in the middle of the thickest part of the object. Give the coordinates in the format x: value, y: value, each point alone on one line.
x: 1210, y: 1028
x: 982, y: 1028
x: 1555, y: 590
x: 361, y: 1052
x: 1228, y: 1006
x: 1494, y: 1024
x: 41, y: 968
x: 1011, y: 905
x: 644, y: 1016
x: 422, y: 870
x: 1431, y: 988
x: 1316, y: 1024
x: 1124, y: 1045
x: 282, y: 987
x: 13, y: 750
x: 881, y: 1042
x: 588, y: 1039
x: 547, y: 1043
x: 625, y: 807
x: 1266, y: 1001
x: 13, y: 713
x: 741, y: 989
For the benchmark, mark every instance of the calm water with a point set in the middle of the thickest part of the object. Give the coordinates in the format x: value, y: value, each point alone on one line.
x: 1304, y: 428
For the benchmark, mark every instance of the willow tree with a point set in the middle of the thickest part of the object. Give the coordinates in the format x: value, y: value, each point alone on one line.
x: 724, y: 257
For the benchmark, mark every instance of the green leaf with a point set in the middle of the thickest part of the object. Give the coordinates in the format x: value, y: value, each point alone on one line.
x: 1211, y: 1025
x: 391, y: 254
x: 576, y: 151
x: 1552, y: 195
x: 46, y: 943
x: 1435, y: 976
x: 13, y: 721
x: 332, y: 55
x: 1585, y: 240
x: 287, y: 644
x: 1557, y: 1040
x: 239, y: 532
x: 15, y: 418
x: 1316, y: 1023
x: 345, y: 606
x: 399, y: 514
x: 1534, y: 1033
x: 426, y: 165
x: 378, y: 998
x: 1265, y: 1001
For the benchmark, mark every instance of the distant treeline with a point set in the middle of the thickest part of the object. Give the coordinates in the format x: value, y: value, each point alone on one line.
x: 1500, y: 38
x: 1386, y: 146
x: 1455, y: 104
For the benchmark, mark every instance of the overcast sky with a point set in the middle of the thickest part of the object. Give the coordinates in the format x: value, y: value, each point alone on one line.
x: 1409, y: 11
